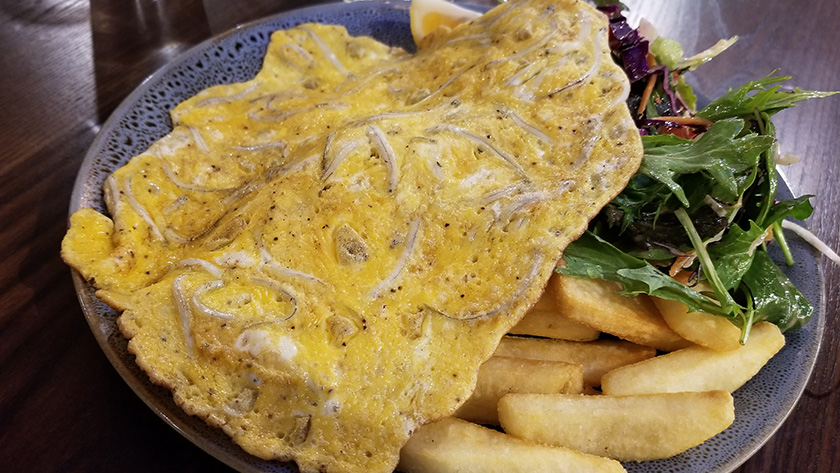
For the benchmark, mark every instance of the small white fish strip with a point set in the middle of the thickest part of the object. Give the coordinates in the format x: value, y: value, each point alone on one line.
x: 408, y: 250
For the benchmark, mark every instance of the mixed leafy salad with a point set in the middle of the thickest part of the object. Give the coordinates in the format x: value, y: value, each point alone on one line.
x: 694, y: 223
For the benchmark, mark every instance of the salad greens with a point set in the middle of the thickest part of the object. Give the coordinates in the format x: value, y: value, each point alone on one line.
x: 760, y: 95
x: 723, y: 154
x: 693, y: 224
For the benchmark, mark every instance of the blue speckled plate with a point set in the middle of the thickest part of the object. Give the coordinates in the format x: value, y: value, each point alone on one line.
x: 761, y: 405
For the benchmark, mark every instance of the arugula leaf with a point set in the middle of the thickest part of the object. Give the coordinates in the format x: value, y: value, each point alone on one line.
x: 640, y: 192
x: 592, y: 257
x: 652, y: 142
x: 775, y: 298
x: 733, y: 255
x: 722, y: 293
x: 760, y: 95
x: 720, y: 153
x: 799, y: 208
x: 761, y: 198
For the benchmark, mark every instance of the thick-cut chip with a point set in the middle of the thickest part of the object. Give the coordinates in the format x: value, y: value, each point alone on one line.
x: 698, y: 368
x: 456, y: 446
x: 703, y: 329
x: 318, y: 260
x: 626, y: 428
x: 596, y: 357
x: 597, y: 304
x: 502, y: 375
x: 545, y: 320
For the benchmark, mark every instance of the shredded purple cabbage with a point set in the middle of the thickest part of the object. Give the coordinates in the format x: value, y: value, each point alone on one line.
x: 627, y: 43
x: 630, y: 50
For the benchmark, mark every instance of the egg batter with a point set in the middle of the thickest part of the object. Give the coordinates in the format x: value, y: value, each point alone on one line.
x: 318, y: 260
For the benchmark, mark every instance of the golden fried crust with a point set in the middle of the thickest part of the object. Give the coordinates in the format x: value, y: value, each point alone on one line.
x: 318, y: 260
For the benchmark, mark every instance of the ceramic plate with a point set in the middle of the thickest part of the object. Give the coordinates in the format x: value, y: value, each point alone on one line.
x: 761, y: 405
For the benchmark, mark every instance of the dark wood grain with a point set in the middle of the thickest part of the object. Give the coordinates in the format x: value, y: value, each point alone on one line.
x: 66, y: 64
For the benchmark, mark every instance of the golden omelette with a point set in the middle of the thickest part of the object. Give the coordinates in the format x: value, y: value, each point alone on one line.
x: 318, y: 260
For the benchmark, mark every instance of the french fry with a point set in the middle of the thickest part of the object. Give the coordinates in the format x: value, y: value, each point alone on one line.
x: 697, y: 368
x: 453, y: 445
x: 597, y: 357
x: 627, y: 428
x: 703, y: 329
x: 598, y: 304
x: 502, y: 375
x: 545, y: 320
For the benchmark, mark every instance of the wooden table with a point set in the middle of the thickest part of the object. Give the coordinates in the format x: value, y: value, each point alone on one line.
x: 66, y: 64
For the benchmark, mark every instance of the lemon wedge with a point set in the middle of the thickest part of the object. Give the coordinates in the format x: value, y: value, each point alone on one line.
x: 429, y: 15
